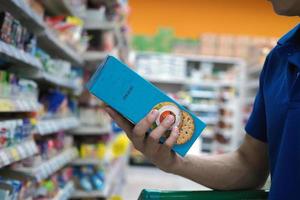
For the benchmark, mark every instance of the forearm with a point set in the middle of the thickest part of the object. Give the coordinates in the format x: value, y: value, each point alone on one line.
x: 223, y: 172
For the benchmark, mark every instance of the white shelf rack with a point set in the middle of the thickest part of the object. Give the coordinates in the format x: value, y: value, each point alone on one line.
x: 15, y: 55
x: 18, y: 104
x: 203, y: 108
x: 87, y: 161
x: 91, y: 130
x: 47, y: 168
x: 50, y: 43
x: 66, y: 192
x: 57, y: 81
x: 15, y: 153
x: 49, y: 126
x: 204, y: 94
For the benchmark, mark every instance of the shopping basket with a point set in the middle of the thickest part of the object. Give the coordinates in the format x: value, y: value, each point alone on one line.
x: 204, y: 195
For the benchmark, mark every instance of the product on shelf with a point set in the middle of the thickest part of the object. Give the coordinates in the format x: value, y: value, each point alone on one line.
x: 95, y: 150
x: 15, y: 131
x: 89, y: 178
x: 12, y: 32
x: 17, y: 94
x: 67, y: 75
x: 69, y: 30
x: 56, y: 104
x: 49, y: 188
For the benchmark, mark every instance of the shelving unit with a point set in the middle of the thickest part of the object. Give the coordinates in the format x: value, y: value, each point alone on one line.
x: 49, y: 42
x: 28, y: 157
x: 44, y: 170
x: 17, y: 105
x: 15, y: 153
x: 49, y: 126
x: 91, y: 130
x: 19, y: 57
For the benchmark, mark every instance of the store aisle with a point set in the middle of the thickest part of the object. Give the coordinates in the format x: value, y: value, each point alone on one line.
x: 138, y: 178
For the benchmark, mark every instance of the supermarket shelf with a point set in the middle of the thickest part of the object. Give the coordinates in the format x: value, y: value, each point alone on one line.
x: 17, y: 152
x: 95, y: 55
x: 91, y: 130
x: 15, y: 55
x: 202, y: 58
x: 50, y: 43
x: 86, y: 161
x: 45, y: 127
x: 166, y: 80
x: 211, y: 83
x: 203, y: 108
x: 56, y: 81
x: 8, y: 105
x: 47, y: 168
x: 66, y: 192
x: 46, y: 40
x: 59, y: 7
x: 21, y: 11
x: 204, y: 94
x: 186, y: 81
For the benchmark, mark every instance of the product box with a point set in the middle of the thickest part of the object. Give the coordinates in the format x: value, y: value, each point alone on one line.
x: 134, y: 97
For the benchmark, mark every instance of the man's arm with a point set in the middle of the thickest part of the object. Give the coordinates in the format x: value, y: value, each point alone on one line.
x: 245, y: 168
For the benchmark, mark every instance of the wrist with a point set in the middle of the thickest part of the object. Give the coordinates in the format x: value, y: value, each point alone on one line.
x: 178, y: 167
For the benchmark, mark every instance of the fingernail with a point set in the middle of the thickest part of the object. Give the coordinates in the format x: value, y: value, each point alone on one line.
x: 154, y: 112
x: 170, y: 119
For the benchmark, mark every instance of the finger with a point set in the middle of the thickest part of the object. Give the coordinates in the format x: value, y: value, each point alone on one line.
x: 139, y: 131
x: 171, y: 141
x: 145, y: 124
x: 162, y: 128
x: 126, y: 125
x: 152, y: 142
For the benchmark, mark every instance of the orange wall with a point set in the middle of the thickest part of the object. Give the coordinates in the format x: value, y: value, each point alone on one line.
x: 190, y: 18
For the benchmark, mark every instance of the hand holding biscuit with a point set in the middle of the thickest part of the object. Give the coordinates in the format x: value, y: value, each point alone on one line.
x: 159, y: 154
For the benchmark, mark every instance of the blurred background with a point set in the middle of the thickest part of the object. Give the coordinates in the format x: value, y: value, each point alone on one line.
x: 56, y: 141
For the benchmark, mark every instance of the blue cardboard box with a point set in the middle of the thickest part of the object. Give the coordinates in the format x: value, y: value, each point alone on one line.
x: 134, y: 97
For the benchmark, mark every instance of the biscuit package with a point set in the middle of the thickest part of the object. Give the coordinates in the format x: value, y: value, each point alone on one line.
x: 134, y: 97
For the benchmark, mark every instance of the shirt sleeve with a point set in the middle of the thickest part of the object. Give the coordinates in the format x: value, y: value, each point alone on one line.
x: 256, y: 125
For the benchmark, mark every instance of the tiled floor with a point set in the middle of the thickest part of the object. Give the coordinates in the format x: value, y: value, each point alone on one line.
x: 138, y: 178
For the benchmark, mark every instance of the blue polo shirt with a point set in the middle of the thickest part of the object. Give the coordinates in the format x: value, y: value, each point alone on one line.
x: 275, y: 118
